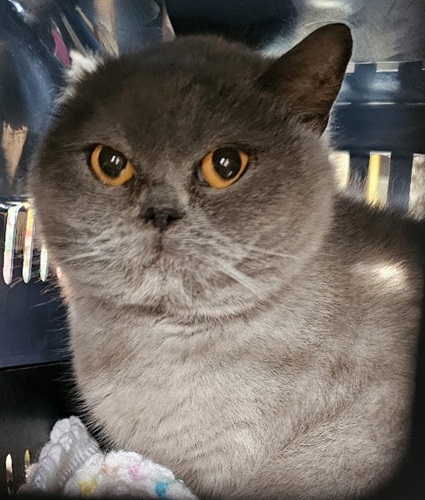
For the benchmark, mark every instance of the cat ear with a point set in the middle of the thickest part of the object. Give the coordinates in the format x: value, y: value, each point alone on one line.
x: 308, y: 78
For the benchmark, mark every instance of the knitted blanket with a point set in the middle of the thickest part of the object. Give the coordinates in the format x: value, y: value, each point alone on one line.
x: 71, y: 463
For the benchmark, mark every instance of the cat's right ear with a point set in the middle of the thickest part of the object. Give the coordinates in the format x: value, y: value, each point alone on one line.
x: 308, y: 78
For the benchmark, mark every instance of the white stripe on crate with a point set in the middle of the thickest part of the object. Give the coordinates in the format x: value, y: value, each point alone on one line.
x: 9, y: 244
x: 9, y: 474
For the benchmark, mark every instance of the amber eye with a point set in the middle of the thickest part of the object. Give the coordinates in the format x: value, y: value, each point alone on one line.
x: 111, y: 167
x: 223, y: 166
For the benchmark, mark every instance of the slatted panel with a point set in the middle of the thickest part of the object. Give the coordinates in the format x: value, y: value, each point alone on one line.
x: 31, y: 400
x: 399, y: 181
x: 383, y: 109
x: 359, y: 165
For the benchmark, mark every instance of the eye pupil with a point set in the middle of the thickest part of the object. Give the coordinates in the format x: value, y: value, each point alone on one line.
x: 227, y: 162
x: 222, y: 167
x: 112, y: 162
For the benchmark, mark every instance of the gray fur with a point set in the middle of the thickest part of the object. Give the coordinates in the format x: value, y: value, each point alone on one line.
x: 263, y: 345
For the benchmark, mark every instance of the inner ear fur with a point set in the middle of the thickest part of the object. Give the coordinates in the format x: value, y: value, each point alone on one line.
x: 308, y: 78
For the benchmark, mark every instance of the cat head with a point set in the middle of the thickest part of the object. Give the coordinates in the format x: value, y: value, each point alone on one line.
x: 192, y: 178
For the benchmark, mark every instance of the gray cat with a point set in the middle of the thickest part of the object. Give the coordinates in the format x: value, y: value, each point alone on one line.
x: 232, y: 317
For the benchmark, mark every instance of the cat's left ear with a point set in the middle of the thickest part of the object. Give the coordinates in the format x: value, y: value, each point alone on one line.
x: 308, y: 78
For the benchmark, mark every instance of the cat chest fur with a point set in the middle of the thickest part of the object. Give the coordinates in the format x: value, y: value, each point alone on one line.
x: 194, y: 408
x: 215, y: 410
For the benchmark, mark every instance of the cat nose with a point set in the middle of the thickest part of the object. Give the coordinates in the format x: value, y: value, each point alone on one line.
x: 162, y: 217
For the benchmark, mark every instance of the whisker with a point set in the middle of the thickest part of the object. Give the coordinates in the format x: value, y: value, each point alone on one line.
x: 242, y: 249
x: 270, y: 252
x: 238, y: 276
x: 82, y: 256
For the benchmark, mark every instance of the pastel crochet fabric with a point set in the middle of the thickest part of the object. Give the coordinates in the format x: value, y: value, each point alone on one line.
x: 72, y: 463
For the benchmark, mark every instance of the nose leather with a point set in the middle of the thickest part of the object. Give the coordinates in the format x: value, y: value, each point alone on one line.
x: 161, y: 218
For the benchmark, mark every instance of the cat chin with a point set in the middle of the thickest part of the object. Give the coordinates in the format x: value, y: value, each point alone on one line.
x: 189, y: 297
x: 180, y: 282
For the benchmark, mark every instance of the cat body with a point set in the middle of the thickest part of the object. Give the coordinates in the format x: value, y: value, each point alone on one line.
x: 260, y: 339
x: 299, y: 415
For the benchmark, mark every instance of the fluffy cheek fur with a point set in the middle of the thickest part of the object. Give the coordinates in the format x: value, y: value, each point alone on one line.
x: 190, y: 268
